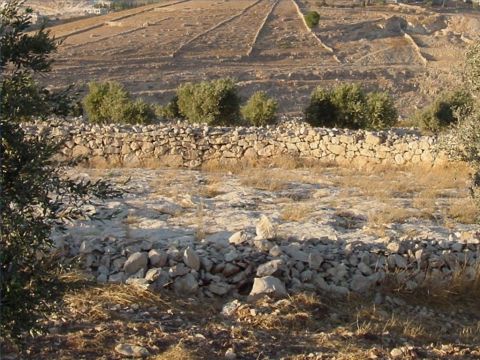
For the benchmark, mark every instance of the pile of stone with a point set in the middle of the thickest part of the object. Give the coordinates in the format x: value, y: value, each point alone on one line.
x: 261, y: 263
x: 190, y: 145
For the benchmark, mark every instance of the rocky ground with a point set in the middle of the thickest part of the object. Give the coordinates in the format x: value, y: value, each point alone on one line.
x: 378, y: 263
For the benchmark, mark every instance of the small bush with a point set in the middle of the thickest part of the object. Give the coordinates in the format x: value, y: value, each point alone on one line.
x: 312, y: 18
x: 347, y: 106
x: 382, y: 113
x: 212, y: 102
x: 169, y: 111
x: 109, y: 102
x: 442, y: 113
x: 260, y: 110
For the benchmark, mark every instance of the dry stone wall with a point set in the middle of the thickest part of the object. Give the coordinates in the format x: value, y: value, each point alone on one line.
x: 188, y: 145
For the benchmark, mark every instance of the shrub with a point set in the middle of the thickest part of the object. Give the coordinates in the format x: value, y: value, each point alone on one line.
x: 109, y: 102
x: 213, y: 102
x: 347, y: 106
x: 260, y: 110
x: 350, y: 106
x: 36, y: 194
x: 382, y: 113
x: 321, y: 111
x: 442, y: 113
x: 312, y: 18
x: 169, y: 111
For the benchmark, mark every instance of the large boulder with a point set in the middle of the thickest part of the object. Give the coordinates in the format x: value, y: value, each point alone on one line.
x: 135, y: 262
x: 268, y: 285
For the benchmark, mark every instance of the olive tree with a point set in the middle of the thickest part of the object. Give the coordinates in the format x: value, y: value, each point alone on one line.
x: 36, y: 194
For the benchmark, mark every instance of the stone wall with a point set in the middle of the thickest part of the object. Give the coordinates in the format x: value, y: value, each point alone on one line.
x: 187, y: 145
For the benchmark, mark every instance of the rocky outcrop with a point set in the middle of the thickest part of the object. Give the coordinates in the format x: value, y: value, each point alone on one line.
x: 186, y: 145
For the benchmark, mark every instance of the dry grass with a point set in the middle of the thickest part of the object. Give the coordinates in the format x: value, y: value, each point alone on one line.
x: 210, y: 191
x: 388, y: 215
x: 386, y: 182
x: 96, y: 302
x: 296, y: 212
x: 177, y: 352
x: 463, y: 210
x: 98, y: 317
x: 263, y: 180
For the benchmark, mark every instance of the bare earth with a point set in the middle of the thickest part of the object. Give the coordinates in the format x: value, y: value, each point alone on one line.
x: 408, y: 50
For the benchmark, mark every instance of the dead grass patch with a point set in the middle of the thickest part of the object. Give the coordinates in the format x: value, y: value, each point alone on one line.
x: 296, y: 212
x: 96, y: 302
x: 177, y: 352
x: 388, y: 215
x: 210, y: 191
x: 263, y: 180
x: 463, y: 210
x: 387, y: 182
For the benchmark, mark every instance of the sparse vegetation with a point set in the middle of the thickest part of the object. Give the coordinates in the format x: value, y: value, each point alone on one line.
x: 348, y: 106
x: 260, y: 110
x: 213, y: 102
x: 312, y: 18
x: 109, y: 102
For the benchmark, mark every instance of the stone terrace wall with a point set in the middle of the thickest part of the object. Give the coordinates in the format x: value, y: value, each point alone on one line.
x: 187, y: 145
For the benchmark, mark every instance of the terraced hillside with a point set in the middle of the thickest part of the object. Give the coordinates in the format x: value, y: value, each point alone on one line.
x: 265, y: 44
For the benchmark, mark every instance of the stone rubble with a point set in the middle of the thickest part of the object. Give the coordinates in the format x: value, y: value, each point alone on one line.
x: 238, y: 265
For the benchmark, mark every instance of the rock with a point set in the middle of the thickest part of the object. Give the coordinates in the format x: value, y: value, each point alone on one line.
x: 268, y: 285
x: 275, y: 251
x: 238, y: 238
x: 394, y: 247
x: 315, y: 260
x: 140, y: 274
x: 364, y: 268
x: 157, y: 258
x: 118, y: 263
x: 117, y: 278
x: 270, y: 268
x: 143, y: 283
x: 295, y: 253
x: 360, y: 283
x: 396, y: 353
x: 231, y: 255
x: 219, y: 288
x: 230, y: 308
x: 161, y: 281
x: 230, y: 354
x: 135, y: 262
x: 457, y: 247
x: 191, y: 259
x: 186, y: 285
x: 263, y: 245
x: 373, y: 139
x: 265, y: 229
x: 153, y: 274
x: 133, y: 351
x: 306, y: 275
x: 400, y: 261
x: 230, y: 270
x: 178, y: 270
x: 170, y: 209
